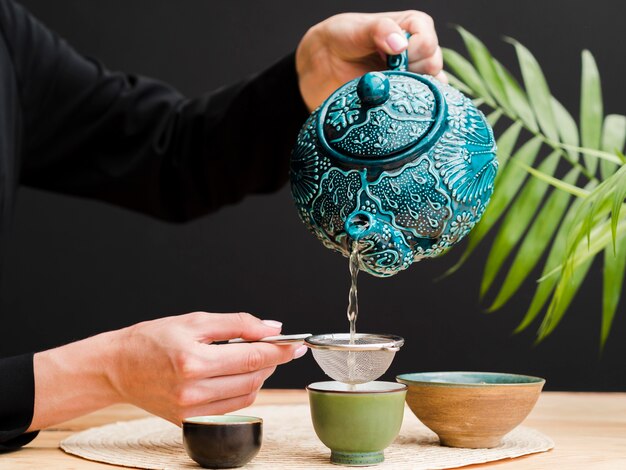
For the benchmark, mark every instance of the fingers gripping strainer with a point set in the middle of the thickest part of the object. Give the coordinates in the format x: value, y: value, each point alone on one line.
x: 367, y: 359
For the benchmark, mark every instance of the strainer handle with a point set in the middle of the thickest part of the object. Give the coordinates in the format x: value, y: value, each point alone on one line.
x: 280, y: 339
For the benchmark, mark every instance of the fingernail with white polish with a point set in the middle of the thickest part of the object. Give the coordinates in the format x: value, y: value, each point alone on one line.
x: 397, y: 42
x: 301, y: 351
x: 273, y: 323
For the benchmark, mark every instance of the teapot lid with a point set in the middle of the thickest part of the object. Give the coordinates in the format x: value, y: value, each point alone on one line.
x: 382, y: 118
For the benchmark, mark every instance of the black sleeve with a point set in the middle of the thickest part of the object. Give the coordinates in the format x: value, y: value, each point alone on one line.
x: 17, y: 397
x: 138, y: 143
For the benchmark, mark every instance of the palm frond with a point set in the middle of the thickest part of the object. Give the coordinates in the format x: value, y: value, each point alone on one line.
x: 552, y: 210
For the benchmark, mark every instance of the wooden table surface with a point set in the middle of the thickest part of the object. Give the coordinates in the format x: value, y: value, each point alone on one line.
x: 589, y: 430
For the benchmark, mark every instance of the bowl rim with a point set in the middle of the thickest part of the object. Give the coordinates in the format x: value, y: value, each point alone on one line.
x: 530, y: 379
x: 391, y: 388
x: 247, y: 420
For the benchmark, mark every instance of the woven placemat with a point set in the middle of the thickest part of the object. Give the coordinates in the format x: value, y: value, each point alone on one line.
x: 289, y: 442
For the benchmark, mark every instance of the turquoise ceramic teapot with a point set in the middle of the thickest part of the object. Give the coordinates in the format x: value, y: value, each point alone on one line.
x: 399, y: 163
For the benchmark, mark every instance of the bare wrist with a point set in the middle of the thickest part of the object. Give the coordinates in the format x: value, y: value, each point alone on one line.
x: 72, y: 380
x: 111, y: 346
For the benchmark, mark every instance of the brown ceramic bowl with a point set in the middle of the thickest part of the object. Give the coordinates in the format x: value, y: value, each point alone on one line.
x: 471, y: 409
x: 226, y: 441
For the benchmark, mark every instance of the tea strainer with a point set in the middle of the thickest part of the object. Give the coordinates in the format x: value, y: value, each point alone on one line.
x: 364, y: 361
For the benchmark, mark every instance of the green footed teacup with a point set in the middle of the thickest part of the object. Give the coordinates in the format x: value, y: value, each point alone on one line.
x: 357, y: 424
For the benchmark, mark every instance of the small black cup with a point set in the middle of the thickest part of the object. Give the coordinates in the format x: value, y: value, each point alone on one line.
x: 227, y: 441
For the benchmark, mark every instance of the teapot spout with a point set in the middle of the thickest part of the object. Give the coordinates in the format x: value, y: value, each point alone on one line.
x: 383, y: 249
x: 359, y: 226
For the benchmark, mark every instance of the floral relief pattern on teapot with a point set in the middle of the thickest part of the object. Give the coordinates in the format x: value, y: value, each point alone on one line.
x: 397, y: 162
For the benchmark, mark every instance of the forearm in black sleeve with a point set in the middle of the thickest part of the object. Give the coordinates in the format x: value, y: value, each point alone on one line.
x: 17, y: 396
x: 138, y: 143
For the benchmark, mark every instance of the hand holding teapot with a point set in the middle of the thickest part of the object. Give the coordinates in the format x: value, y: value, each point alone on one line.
x: 398, y: 163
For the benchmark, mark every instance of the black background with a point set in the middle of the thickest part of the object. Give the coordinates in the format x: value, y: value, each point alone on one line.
x: 77, y: 267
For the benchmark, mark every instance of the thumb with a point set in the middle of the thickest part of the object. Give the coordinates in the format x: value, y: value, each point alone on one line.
x: 225, y: 326
x: 387, y: 35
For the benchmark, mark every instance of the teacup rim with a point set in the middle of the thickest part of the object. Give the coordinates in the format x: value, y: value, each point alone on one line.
x: 528, y: 379
x: 392, y: 388
x: 247, y: 420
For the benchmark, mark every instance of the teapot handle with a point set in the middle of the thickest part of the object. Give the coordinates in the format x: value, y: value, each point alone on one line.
x: 399, y: 61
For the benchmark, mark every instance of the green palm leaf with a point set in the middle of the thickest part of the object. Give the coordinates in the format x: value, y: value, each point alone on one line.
x: 517, y: 98
x: 516, y: 221
x: 537, y: 89
x: 536, y: 241
x: 506, y: 144
x: 556, y: 182
x: 599, y: 202
x: 613, y: 281
x: 618, y: 199
x: 555, y: 257
x: 615, y: 157
x: 485, y: 67
x: 567, y: 129
x: 613, y: 138
x: 573, y: 274
x: 564, y: 294
x: 466, y: 72
x: 591, y: 114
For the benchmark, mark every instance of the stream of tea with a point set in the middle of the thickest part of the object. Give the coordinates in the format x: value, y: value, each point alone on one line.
x: 353, y: 297
x: 353, y: 309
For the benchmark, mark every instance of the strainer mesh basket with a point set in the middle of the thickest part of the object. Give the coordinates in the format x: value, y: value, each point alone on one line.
x: 364, y: 361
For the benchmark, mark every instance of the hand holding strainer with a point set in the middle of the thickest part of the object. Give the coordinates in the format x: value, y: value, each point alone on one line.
x: 364, y: 361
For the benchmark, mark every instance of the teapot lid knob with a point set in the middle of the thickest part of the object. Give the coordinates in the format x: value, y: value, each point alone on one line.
x: 373, y: 89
